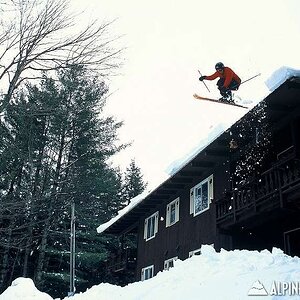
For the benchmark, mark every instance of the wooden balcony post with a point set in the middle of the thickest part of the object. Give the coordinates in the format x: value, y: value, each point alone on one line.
x: 234, y: 206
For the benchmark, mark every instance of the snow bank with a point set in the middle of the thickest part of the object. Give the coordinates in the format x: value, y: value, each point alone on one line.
x: 280, y: 76
x: 228, y: 275
x: 23, y: 289
x: 210, y: 276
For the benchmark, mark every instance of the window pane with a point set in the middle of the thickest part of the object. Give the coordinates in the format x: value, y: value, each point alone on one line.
x: 198, y: 200
x: 152, y: 220
x: 150, y: 227
x: 198, y: 204
x: 148, y: 273
x: 205, y: 195
x: 198, y: 191
x: 173, y: 214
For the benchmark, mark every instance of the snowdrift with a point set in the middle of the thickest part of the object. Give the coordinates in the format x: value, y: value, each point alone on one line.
x: 226, y: 275
x: 23, y: 288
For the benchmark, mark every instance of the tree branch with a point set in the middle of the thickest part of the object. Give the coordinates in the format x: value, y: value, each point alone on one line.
x: 39, y: 40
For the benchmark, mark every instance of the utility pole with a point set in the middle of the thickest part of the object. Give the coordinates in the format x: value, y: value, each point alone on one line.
x: 72, y: 251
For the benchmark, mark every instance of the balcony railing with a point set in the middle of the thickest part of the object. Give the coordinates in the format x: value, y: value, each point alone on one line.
x: 263, y: 192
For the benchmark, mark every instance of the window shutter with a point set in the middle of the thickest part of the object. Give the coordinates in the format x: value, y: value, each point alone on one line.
x: 145, y: 229
x: 142, y: 275
x: 177, y: 210
x: 211, y: 188
x: 168, y: 216
x: 156, y: 223
x: 192, y: 201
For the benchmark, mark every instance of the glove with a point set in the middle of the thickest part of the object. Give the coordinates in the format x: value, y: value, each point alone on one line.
x: 202, y: 78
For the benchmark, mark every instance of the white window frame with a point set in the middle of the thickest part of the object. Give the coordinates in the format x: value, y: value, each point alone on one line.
x: 195, y: 252
x: 169, y: 263
x: 153, y: 220
x: 144, y: 272
x: 168, y: 212
x: 210, y: 185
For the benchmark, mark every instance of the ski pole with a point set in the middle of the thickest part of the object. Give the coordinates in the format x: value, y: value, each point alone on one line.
x: 203, y: 81
x: 250, y: 78
x: 246, y: 80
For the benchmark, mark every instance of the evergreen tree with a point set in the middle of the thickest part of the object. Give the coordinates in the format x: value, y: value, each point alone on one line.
x: 88, y: 181
x: 133, y: 183
x: 55, y: 152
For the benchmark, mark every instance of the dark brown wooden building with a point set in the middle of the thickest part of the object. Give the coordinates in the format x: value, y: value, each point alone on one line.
x: 241, y: 192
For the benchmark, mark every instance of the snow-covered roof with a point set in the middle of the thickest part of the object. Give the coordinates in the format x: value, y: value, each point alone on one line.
x: 133, y: 202
x: 273, y: 82
x: 213, y: 134
x: 280, y: 76
x: 172, y: 169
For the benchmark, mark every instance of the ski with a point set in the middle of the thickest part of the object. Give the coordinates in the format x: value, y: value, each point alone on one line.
x: 218, y: 101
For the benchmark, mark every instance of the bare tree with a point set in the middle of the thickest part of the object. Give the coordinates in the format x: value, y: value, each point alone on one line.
x: 39, y: 36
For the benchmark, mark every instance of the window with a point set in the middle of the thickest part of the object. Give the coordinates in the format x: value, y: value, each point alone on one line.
x: 198, y: 251
x: 201, y: 196
x: 151, y: 226
x: 169, y: 263
x: 172, y: 212
x: 147, y: 273
x: 195, y: 252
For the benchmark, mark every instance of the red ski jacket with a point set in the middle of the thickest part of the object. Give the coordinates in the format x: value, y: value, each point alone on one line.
x: 227, y: 74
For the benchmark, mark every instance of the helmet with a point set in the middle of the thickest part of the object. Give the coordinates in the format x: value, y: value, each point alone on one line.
x: 219, y: 65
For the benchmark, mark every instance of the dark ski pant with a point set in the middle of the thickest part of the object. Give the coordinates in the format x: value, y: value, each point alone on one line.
x: 233, y: 86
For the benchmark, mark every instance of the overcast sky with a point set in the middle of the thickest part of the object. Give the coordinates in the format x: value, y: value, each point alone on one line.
x: 167, y: 42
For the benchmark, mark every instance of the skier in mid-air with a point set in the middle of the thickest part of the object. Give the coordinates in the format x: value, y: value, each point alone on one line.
x: 228, y: 81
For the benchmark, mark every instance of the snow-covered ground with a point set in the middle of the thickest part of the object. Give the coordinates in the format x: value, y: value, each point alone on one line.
x: 23, y: 288
x: 228, y: 275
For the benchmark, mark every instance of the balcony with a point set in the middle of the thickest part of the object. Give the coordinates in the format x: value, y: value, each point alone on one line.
x: 276, y: 188
x: 124, y: 260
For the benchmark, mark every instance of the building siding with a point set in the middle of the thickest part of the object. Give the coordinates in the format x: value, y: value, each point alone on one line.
x: 188, y: 234
x: 257, y: 208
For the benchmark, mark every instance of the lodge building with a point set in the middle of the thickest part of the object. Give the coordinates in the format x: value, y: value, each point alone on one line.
x: 242, y: 191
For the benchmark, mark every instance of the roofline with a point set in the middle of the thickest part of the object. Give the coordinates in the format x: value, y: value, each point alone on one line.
x: 203, y: 150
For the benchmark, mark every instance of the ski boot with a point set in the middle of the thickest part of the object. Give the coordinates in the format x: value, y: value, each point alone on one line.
x: 227, y: 97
